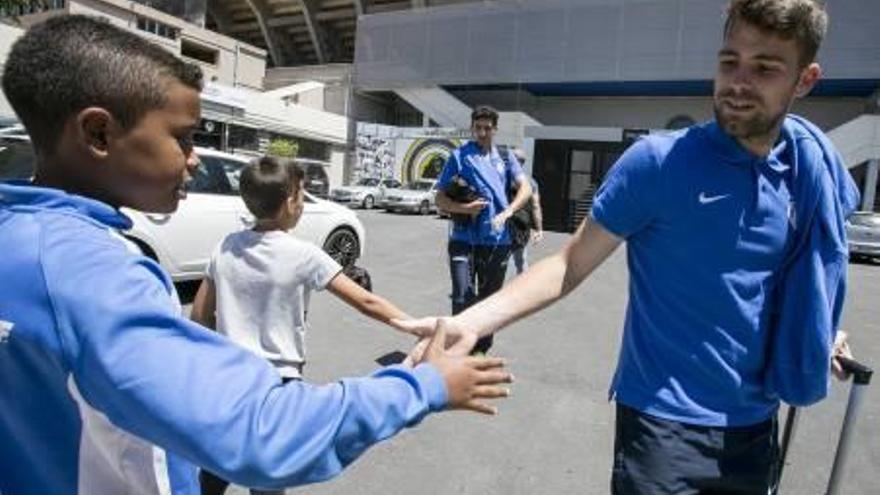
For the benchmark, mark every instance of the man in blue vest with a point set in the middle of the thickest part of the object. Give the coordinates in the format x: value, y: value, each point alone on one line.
x: 479, y: 240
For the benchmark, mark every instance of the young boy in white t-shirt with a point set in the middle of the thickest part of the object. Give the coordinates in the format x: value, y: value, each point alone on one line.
x: 257, y: 282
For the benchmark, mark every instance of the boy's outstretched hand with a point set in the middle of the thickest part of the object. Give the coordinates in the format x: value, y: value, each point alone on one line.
x: 469, y: 379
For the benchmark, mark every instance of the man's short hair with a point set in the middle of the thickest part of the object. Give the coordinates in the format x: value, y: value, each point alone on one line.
x: 71, y: 62
x: 804, y: 21
x: 266, y: 183
x: 485, y: 112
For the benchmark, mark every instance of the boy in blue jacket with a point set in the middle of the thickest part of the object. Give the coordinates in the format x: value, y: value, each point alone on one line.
x: 104, y: 386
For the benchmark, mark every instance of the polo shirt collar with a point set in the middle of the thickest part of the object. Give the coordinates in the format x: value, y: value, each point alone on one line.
x: 730, y: 149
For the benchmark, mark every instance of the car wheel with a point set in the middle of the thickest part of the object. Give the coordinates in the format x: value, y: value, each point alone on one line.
x: 343, y: 246
x: 424, y: 208
x: 368, y: 202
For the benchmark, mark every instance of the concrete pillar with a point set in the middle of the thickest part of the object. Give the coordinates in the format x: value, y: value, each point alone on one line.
x: 528, y: 147
x: 870, y: 185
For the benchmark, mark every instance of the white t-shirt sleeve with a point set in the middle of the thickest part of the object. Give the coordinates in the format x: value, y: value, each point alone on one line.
x: 321, y: 268
x: 211, y: 268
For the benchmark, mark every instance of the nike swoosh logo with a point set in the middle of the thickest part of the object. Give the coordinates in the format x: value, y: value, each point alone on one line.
x: 5, y: 330
x: 704, y: 200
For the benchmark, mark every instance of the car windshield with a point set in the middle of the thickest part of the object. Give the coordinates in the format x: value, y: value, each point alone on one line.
x: 368, y: 182
x: 420, y: 186
x: 865, y: 220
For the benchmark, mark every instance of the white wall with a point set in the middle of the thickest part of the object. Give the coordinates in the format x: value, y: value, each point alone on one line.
x: 8, y: 35
x: 336, y: 171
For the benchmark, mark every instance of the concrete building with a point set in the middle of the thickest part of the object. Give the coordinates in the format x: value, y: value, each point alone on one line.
x: 576, y: 80
x: 238, y: 115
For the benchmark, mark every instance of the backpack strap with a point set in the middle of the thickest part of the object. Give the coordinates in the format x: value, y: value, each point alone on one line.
x: 504, y: 153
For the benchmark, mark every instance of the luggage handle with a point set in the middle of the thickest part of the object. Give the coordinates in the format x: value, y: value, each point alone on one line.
x: 861, y: 373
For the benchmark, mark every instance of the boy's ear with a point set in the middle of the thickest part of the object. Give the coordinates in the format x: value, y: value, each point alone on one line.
x: 94, y: 125
x: 291, y: 203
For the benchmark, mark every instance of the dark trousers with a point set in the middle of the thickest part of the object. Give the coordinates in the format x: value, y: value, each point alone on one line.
x: 657, y: 456
x: 214, y: 485
x: 477, y: 272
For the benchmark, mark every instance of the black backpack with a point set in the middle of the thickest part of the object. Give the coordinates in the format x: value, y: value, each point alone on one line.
x: 522, y: 222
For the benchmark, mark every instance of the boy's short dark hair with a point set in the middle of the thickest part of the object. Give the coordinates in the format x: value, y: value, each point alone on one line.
x: 72, y: 62
x: 805, y: 21
x: 265, y: 185
x: 485, y: 112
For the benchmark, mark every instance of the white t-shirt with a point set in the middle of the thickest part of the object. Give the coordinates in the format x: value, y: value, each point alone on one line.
x: 262, y: 282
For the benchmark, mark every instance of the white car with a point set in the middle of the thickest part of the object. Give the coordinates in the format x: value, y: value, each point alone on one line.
x: 182, y: 242
x: 416, y: 197
x: 863, y: 235
x: 366, y: 193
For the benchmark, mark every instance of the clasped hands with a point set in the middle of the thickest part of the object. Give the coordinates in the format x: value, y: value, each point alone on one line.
x: 469, y: 379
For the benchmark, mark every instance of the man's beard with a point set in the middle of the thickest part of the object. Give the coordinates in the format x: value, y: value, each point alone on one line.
x: 756, y: 126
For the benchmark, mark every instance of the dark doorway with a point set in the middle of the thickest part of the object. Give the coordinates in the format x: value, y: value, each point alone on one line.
x: 569, y: 173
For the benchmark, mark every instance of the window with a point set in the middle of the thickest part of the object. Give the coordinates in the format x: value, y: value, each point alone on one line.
x: 198, y: 52
x: 158, y: 28
x: 210, y: 177
x: 31, y: 8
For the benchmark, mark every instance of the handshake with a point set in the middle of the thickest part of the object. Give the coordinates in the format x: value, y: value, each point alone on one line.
x: 470, y: 380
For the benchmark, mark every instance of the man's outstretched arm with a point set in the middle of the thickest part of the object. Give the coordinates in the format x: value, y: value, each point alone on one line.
x: 543, y: 284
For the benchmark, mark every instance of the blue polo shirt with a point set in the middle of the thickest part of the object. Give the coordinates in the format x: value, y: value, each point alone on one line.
x: 490, y: 176
x: 707, y: 226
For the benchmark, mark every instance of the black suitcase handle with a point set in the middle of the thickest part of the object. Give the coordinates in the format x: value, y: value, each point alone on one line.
x: 861, y: 373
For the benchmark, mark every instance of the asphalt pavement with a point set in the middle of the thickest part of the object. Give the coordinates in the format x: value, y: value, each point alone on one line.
x: 554, y: 434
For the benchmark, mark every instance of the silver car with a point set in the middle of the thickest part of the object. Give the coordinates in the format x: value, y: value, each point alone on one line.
x: 863, y: 234
x: 415, y: 197
x: 366, y: 193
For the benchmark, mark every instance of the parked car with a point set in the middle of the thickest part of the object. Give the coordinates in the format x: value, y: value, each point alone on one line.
x: 863, y: 234
x: 317, y: 183
x: 182, y: 242
x: 366, y: 193
x: 415, y: 197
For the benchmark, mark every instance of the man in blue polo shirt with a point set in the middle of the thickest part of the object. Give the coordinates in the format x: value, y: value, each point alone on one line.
x: 737, y: 261
x: 479, y: 240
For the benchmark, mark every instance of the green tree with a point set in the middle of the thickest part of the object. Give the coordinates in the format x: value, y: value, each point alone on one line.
x: 282, y: 148
x: 9, y: 8
x: 7, y: 4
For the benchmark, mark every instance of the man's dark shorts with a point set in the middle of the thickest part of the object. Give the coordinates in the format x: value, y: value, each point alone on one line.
x: 657, y: 456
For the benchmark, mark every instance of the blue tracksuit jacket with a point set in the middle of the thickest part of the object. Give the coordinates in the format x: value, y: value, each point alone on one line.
x: 105, y: 388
